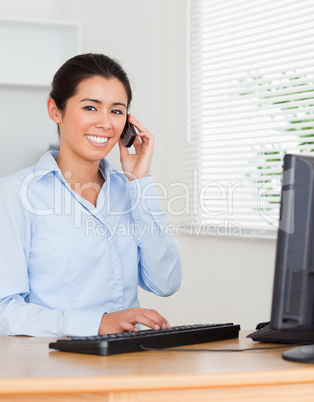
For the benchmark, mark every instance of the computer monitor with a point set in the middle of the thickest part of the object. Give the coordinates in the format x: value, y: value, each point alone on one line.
x: 293, y: 292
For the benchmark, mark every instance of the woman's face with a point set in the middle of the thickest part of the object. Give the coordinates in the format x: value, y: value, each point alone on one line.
x: 93, y: 119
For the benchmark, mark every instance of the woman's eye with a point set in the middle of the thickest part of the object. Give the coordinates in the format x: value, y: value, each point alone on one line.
x: 116, y: 111
x: 90, y: 108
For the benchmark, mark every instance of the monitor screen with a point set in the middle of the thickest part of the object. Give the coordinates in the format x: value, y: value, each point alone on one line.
x: 293, y: 292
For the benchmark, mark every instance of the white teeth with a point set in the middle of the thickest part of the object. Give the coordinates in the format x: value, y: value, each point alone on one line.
x: 97, y: 140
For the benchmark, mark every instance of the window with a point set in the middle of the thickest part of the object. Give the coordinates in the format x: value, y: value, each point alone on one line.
x: 251, y: 100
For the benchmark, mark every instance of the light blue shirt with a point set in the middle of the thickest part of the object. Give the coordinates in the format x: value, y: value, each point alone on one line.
x: 64, y: 262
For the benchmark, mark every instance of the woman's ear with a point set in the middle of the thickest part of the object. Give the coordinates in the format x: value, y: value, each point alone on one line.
x: 53, y: 111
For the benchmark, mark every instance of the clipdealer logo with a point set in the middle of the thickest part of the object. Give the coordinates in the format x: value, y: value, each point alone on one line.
x: 206, y: 200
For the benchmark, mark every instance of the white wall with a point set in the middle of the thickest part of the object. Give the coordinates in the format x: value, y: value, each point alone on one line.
x: 225, y: 279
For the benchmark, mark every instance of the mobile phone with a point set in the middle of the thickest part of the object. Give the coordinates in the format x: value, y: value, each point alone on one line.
x: 128, y: 134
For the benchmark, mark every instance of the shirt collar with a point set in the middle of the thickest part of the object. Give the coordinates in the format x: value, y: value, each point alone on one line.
x: 47, y: 165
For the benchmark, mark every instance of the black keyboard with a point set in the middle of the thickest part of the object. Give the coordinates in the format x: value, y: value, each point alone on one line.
x: 126, y: 342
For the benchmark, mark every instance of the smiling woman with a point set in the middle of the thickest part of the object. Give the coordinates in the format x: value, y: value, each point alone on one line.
x: 60, y: 278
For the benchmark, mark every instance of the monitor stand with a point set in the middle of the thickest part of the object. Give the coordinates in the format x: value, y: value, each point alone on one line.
x: 302, y: 354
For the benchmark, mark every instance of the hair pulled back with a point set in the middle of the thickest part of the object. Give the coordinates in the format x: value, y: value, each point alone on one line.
x: 67, y: 79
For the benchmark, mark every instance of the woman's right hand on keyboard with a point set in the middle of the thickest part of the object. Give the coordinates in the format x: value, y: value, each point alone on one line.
x: 125, y: 320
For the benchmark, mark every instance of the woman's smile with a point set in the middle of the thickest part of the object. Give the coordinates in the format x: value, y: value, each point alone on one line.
x: 96, y: 140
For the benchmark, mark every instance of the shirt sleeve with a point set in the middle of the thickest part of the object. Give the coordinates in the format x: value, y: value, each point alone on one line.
x: 17, y: 316
x: 159, y: 263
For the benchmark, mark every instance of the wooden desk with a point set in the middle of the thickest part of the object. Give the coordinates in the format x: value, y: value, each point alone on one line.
x: 29, y: 371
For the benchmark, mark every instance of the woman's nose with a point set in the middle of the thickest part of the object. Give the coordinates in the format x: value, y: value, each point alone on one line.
x: 104, y: 121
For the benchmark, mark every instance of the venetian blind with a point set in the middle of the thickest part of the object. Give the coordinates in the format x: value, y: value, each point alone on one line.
x: 251, y: 100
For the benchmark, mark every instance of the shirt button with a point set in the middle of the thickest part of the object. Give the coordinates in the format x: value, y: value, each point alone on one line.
x: 110, y: 239
x: 115, y: 272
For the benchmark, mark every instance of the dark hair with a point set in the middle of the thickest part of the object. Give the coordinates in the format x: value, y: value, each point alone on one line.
x: 72, y: 72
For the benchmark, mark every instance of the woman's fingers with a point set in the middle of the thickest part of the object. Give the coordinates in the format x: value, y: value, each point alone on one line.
x: 126, y: 326
x: 137, y: 165
x: 125, y: 320
x: 150, y: 318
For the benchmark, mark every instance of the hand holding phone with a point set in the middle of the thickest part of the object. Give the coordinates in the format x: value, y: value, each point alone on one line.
x: 128, y: 134
x: 136, y: 165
